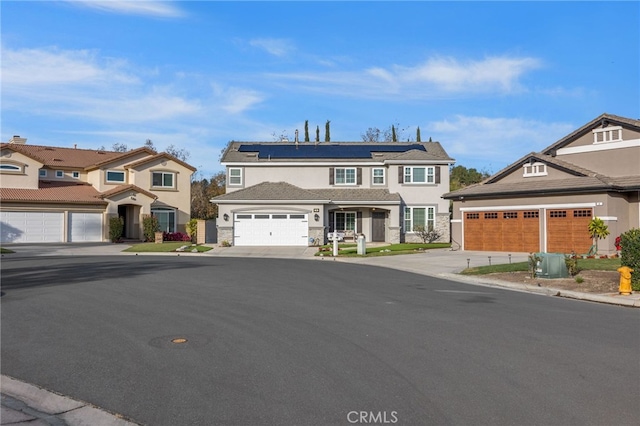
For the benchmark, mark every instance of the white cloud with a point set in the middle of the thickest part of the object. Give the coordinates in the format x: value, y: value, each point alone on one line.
x: 274, y: 46
x: 436, y: 78
x: 235, y: 100
x: 474, y: 140
x: 129, y: 7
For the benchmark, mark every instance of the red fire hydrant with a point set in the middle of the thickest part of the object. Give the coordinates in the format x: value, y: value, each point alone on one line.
x: 625, y: 280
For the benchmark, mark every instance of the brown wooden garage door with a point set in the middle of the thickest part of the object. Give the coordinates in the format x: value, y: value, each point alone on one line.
x: 516, y: 231
x: 568, y: 231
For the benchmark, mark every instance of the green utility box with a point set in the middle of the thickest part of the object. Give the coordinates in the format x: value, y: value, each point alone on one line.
x: 551, y: 265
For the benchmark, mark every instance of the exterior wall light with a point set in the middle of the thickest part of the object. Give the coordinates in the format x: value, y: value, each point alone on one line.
x: 225, y: 217
x: 316, y: 217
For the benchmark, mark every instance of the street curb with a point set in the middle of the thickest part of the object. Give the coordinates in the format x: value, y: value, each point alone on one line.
x: 545, y: 291
x: 41, y: 404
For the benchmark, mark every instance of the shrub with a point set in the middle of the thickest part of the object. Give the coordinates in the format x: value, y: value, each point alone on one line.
x: 572, y: 264
x: 150, y: 226
x: 534, y: 261
x: 225, y: 243
x: 630, y: 255
x: 427, y: 235
x: 192, y: 229
x: 175, y: 236
x: 579, y: 279
x: 116, y: 228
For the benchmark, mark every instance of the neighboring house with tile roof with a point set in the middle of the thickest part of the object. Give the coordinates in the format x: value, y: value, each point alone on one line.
x: 295, y: 193
x: 54, y: 194
x: 544, y: 201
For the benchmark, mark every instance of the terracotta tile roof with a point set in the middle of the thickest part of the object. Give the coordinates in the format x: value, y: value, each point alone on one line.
x: 63, y: 157
x: 54, y: 192
x: 123, y: 188
x: 282, y: 191
x: 121, y: 156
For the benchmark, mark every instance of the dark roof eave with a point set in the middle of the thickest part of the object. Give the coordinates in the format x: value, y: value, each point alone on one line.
x: 510, y: 194
x: 76, y: 202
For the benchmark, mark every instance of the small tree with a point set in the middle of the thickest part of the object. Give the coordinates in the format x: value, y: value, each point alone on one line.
x: 116, y: 228
x: 394, y: 137
x: 427, y: 234
x: 598, y: 230
x: 306, y: 130
x: 192, y: 229
x: 327, y: 132
x: 317, y: 133
x: 150, y: 226
x: 630, y: 255
x: 418, y: 139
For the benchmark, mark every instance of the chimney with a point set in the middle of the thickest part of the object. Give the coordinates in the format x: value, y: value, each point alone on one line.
x: 18, y: 140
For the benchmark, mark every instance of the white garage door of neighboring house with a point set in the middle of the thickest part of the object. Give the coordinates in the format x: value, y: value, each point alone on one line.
x: 31, y: 227
x: 85, y: 227
x: 271, y: 229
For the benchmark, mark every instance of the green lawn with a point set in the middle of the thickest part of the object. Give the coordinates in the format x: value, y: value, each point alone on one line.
x: 583, y: 265
x: 351, y: 250
x: 5, y: 251
x: 166, y: 247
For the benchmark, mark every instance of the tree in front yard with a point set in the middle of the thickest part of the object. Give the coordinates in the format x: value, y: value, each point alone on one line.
x: 598, y: 230
x: 426, y: 234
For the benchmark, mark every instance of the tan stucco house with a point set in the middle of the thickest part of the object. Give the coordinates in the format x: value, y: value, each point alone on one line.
x: 544, y: 201
x: 53, y: 194
x: 295, y: 193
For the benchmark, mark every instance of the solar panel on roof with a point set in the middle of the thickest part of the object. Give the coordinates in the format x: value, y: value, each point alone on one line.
x: 320, y: 150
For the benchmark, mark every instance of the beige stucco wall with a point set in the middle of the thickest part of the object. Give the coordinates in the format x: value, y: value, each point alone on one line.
x: 587, y: 139
x: 612, y: 162
x: 27, y: 179
x: 98, y: 177
x: 518, y: 176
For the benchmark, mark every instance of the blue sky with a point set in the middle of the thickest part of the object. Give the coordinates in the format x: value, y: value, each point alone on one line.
x: 492, y: 81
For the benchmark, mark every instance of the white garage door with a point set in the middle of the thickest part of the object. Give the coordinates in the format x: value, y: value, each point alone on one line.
x: 85, y: 227
x: 31, y: 227
x: 270, y: 229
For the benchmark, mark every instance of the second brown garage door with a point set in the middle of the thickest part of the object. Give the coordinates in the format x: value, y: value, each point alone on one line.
x: 516, y: 231
x: 568, y: 231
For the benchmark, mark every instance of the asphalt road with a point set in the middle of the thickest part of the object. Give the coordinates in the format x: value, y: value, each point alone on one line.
x: 276, y: 341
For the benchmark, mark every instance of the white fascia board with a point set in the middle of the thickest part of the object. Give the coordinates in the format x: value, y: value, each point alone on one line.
x: 303, y: 163
x: 411, y: 162
x: 270, y: 201
x: 528, y: 207
x: 602, y: 146
x: 364, y: 203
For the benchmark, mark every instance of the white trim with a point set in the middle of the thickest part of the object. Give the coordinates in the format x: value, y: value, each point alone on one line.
x: 602, y: 146
x: 456, y: 221
x: 241, y: 176
x: 345, y: 169
x: 270, y: 201
x: 373, y: 176
x: 605, y: 131
x: 301, y: 163
x: 528, y: 207
x: 56, y: 174
x: 608, y: 218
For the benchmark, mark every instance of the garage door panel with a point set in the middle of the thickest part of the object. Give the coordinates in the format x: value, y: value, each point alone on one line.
x: 271, y: 229
x: 31, y: 227
x: 568, y: 230
x: 516, y: 231
x: 85, y: 227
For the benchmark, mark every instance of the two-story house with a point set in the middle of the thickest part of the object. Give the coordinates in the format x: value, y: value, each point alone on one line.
x: 544, y: 201
x: 53, y: 194
x: 295, y: 193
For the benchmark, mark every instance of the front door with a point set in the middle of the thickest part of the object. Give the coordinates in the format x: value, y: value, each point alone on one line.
x: 377, y: 223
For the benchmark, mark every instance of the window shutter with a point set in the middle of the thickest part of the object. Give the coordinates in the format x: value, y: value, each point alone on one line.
x: 400, y: 174
x: 359, y: 222
x: 437, y: 172
x: 331, y: 174
x: 359, y: 176
x: 332, y: 222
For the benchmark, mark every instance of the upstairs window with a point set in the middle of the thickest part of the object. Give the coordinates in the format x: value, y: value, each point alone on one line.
x: 163, y: 180
x: 116, y: 176
x: 419, y: 175
x: 42, y: 172
x: 345, y: 176
x: 608, y: 134
x: 75, y: 175
x: 235, y: 176
x: 10, y: 168
x: 534, y: 169
x: 59, y: 174
x: 378, y: 176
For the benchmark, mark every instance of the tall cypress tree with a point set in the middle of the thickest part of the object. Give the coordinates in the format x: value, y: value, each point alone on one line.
x: 394, y: 138
x: 327, y: 134
x: 418, y: 135
x: 317, y: 133
x: 306, y: 130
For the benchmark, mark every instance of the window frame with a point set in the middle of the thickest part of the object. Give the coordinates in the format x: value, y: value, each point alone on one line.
x: 75, y: 175
x: 373, y: 176
x: 42, y: 173
x: 534, y: 169
x: 11, y: 168
x: 429, y: 175
x: 59, y: 174
x: 409, y: 214
x: 124, y: 176
x: 346, y: 214
x: 161, y: 211
x: 240, y: 176
x: 162, y: 179
x: 345, y: 170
